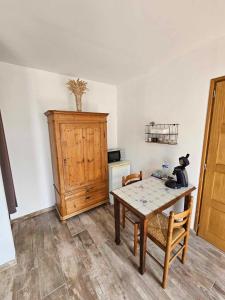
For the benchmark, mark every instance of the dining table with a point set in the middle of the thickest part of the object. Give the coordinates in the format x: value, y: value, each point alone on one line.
x: 145, y: 198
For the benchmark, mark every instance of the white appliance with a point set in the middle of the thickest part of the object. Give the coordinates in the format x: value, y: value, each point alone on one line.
x: 116, y: 171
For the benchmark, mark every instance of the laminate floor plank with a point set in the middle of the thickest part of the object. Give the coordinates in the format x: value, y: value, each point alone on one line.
x: 76, y: 277
x: 219, y: 289
x: 204, y: 267
x: 75, y: 225
x: 103, y: 226
x: 31, y: 289
x: 84, y: 259
x: 26, y: 269
x: 49, y: 267
x: 61, y: 293
x: 6, y: 283
x: 98, y: 267
x: 209, y: 294
x: 79, y: 260
x: 135, y: 286
x: 175, y: 288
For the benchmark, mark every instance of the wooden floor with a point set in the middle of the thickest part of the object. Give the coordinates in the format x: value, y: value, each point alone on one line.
x: 79, y: 260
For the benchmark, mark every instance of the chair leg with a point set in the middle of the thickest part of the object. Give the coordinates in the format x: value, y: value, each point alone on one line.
x: 184, y: 252
x: 166, y: 269
x: 135, y: 238
x: 123, y: 216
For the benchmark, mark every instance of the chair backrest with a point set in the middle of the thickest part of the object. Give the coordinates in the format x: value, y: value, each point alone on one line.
x: 178, y: 220
x: 129, y: 179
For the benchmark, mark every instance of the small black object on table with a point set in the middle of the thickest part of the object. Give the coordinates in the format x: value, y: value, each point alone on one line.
x: 181, y: 174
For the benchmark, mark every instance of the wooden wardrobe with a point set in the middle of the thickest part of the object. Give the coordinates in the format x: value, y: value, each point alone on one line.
x: 79, y: 158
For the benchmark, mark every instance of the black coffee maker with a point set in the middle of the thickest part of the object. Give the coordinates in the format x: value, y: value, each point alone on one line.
x: 181, y: 174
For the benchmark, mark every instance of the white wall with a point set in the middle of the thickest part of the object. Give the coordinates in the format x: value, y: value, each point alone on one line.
x: 176, y: 93
x: 25, y: 94
x: 7, y: 249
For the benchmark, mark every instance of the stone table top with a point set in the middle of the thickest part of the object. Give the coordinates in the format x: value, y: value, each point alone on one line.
x: 148, y: 195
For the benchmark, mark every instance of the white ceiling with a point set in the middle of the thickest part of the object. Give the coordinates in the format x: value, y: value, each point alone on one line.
x: 105, y: 40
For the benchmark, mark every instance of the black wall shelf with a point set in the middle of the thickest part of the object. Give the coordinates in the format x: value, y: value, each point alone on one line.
x: 161, y: 133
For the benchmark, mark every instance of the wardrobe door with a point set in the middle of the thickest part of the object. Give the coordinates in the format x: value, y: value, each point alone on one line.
x: 73, y: 155
x: 95, y: 153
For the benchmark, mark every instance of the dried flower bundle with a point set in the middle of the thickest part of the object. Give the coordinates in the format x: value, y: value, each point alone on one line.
x: 77, y: 87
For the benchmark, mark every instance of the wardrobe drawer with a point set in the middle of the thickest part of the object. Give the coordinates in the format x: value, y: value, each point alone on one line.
x: 98, y: 192
x: 77, y: 192
x: 81, y: 201
x: 88, y: 188
x: 97, y: 195
x: 96, y: 187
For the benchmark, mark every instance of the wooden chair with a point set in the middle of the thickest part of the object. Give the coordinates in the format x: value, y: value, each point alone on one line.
x: 168, y: 233
x: 126, y: 214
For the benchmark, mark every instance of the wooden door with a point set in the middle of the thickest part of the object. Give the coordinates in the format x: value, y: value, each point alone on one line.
x: 212, y: 214
x: 95, y: 153
x: 73, y: 155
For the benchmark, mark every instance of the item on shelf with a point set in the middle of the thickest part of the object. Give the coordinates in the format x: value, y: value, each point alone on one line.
x: 78, y: 88
x: 161, y: 133
x: 154, y: 139
x: 165, y: 170
x: 163, y: 173
x: 181, y: 174
x: 157, y: 174
x: 160, y: 130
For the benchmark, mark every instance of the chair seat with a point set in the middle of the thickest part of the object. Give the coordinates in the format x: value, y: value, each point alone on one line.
x: 132, y: 217
x: 158, y: 229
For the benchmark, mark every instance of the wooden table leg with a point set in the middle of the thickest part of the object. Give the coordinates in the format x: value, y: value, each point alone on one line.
x: 187, y: 201
x: 117, y: 220
x: 143, y: 240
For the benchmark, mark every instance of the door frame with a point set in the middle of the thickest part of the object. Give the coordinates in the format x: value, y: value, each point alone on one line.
x: 208, y: 123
